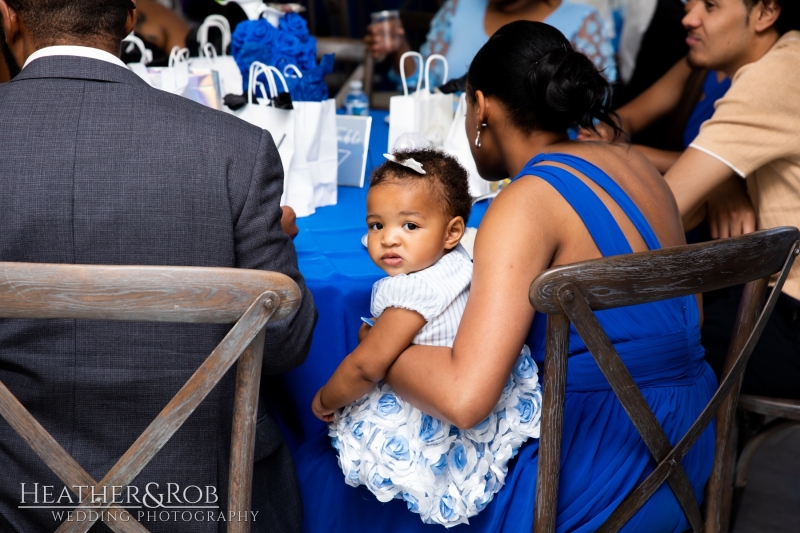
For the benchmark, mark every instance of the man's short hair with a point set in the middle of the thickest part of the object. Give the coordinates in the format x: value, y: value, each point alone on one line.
x: 49, y: 21
x: 790, y: 13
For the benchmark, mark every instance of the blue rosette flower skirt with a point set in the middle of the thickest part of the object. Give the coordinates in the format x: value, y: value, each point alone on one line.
x: 445, y: 474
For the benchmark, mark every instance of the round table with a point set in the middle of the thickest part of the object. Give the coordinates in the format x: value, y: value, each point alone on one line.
x: 340, y: 275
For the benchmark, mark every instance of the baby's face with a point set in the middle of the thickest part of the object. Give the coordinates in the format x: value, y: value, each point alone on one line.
x: 407, y: 230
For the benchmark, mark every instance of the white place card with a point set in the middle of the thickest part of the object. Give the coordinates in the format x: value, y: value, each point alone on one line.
x: 353, y: 136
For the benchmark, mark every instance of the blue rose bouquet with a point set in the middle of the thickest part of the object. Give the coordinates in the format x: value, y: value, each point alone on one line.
x: 288, y: 44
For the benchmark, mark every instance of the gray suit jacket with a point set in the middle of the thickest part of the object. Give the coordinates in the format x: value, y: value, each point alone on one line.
x: 96, y: 167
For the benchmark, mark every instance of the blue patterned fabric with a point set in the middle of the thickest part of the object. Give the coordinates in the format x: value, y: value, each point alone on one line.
x: 603, y: 456
x: 457, y: 32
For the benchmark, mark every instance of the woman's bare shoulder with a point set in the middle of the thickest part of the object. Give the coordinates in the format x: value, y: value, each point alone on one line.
x: 647, y: 189
x: 641, y: 182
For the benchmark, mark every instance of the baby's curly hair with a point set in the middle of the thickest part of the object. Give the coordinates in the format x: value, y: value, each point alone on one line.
x: 443, y: 172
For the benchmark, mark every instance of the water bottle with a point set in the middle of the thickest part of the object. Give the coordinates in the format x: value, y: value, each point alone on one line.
x: 356, y: 102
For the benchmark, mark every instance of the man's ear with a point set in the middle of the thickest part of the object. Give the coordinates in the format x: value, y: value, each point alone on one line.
x: 765, y: 15
x: 17, y: 38
x: 454, y: 233
x: 10, y: 21
x: 130, y: 21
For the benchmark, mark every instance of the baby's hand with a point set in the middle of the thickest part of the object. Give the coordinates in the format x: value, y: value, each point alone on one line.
x: 326, y: 415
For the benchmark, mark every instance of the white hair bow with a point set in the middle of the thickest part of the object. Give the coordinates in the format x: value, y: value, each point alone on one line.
x: 414, y: 165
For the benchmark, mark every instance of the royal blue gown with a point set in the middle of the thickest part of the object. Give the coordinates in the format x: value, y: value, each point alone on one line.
x: 603, y: 456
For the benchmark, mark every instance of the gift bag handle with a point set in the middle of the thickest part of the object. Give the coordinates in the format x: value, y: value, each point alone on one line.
x: 215, y: 21
x: 428, y: 62
x: 147, y: 55
x: 403, y: 57
x: 256, y: 69
x: 296, y: 70
x: 210, y: 53
x: 178, y: 55
x: 273, y: 71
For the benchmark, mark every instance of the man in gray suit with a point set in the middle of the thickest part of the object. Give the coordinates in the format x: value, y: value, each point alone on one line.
x: 96, y: 167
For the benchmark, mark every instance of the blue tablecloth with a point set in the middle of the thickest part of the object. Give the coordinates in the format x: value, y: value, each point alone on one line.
x: 340, y: 275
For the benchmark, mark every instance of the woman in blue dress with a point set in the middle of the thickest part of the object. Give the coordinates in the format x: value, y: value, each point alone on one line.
x: 570, y: 201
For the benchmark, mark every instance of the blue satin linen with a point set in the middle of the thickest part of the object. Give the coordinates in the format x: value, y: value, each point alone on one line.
x: 603, y: 456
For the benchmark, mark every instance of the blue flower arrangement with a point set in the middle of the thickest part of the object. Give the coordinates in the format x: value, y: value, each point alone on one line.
x: 288, y: 44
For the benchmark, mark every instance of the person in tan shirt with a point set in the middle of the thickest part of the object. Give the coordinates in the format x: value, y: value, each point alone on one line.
x: 753, y: 134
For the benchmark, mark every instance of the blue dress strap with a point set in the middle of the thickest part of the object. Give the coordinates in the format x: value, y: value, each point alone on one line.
x: 598, y: 220
x: 610, y: 186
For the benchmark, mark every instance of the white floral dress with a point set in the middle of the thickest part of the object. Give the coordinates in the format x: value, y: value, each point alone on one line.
x: 445, y: 474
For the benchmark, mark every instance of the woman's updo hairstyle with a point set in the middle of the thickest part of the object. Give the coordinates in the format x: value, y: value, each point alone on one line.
x: 543, y: 83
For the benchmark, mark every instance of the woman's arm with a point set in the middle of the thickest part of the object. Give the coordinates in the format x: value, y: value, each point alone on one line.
x: 661, y: 98
x: 463, y: 384
x: 661, y: 159
x: 367, y: 364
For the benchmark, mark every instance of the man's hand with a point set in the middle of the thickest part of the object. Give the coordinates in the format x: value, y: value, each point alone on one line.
x: 326, y: 415
x: 730, y: 212
x: 384, y: 38
x: 289, y: 222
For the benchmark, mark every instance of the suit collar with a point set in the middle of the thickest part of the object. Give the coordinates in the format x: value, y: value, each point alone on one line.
x: 80, y: 68
x: 74, y: 50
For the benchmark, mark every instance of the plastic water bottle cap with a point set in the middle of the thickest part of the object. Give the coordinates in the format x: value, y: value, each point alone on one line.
x: 356, y: 84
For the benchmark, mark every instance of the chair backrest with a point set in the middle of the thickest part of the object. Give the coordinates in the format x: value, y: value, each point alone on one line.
x: 571, y: 293
x: 138, y: 293
x: 246, y: 298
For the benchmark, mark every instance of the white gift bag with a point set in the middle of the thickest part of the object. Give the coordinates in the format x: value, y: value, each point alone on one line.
x: 457, y: 145
x: 424, y: 114
x: 204, y: 88
x: 315, y: 124
x: 298, y: 191
x: 316, y: 143
x: 140, y: 68
x: 402, y: 109
x: 434, y: 110
x: 199, y: 85
x: 175, y: 77
x: 230, y: 76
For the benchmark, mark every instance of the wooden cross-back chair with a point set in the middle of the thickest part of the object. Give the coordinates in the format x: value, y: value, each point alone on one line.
x: 786, y: 413
x: 571, y: 293
x: 246, y: 298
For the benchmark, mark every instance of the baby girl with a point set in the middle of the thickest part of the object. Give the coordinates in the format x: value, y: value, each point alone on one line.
x: 417, y: 208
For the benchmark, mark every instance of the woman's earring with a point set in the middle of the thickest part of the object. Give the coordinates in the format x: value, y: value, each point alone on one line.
x: 478, y: 137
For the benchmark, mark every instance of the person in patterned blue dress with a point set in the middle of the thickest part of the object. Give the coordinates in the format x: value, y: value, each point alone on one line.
x: 568, y: 202
x: 461, y: 27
